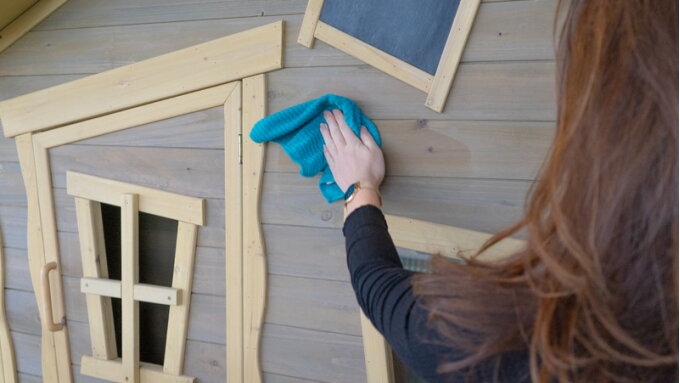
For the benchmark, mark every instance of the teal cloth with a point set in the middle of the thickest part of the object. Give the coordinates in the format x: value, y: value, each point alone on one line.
x: 296, y: 129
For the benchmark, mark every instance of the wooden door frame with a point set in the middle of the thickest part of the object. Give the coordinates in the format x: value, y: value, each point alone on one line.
x: 433, y: 238
x: 437, y: 87
x: 204, y: 76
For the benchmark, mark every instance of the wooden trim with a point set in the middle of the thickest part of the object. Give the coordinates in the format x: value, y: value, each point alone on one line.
x: 112, y: 370
x: 42, y: 248
x: 378, y: 354
x: 153, y: 201
x: 309, y: 22
x: 93, y: 255
x: 371, y: 55
x: 130, y: 118
x: 234, y: 235
x: 26, y: 21
x: 182, y: 280
x: 254, y: 260
x: 427, y: 237
x: 453, y: 51
x: 201, y: 66
x: 129, y: 272
x: 8, y: 372
x: 142, y: 292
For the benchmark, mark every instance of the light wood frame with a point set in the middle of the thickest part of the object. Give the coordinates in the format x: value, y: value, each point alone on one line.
x: 437, y: 87
x: 26, y: 21
x: 90, y: 192
x: 156, y: 89
x: 427, y: 237
x: 8, y: 365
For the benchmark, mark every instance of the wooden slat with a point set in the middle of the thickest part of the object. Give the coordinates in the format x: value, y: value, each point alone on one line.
x: 178, y: 317
x: 309, y: 22
x: 99, y: 286
x: 254, y: 51
x: 160, y: 295
x: 510, y: 91
x: 10, y: 10
x: 449, y: 241
x: 152, y: 201
x: 129, y: 255
x: 27, y: 20
x: 254, y: 261
x: 55, y: 365
x: 387, y: 63
x: 112, y: 370
x: 377, y: 352
x: 453, y: 51
x: 234, y: 235
x: 94, y: 265
x: 159, y: 110
x: 8, y: 369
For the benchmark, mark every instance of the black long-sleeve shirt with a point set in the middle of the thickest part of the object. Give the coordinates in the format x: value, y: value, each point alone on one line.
x: 383, y: 289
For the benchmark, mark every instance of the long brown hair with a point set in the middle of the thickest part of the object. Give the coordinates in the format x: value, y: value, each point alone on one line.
x: 593, y: 296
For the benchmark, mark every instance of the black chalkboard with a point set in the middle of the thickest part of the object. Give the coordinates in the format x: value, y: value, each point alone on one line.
x: 414, y: 31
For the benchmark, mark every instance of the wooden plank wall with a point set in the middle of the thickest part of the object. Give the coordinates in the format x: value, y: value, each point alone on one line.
x: 470, y: 166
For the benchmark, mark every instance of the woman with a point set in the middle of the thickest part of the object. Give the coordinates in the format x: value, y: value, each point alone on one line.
x: 593, y: 297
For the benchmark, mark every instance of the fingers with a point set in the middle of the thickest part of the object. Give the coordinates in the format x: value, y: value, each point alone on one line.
x: 329, y: 157
x: 333, y: 127
x: 367, y: 138
x: 327, y: 139
x: 346, y: 131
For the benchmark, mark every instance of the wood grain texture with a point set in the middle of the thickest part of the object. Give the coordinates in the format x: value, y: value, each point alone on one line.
x: 254, y: 257
x: 201, y: 66
x: 309, y: 23
x: 20, y: 25
x: 8, y: 371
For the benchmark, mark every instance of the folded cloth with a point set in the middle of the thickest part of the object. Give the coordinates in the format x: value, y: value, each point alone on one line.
x: 296, y: 129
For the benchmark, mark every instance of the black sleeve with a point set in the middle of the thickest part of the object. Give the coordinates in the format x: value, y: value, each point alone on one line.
x: 383, y: 290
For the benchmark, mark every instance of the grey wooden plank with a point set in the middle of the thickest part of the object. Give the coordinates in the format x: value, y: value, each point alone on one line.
x: 98, y: 13
x: 305, y: 252
x: 28, y: 378
x: 312, y: 304
x: 22, y: 311
x: 476, y: 204
x: 479, y: 149
x: 312, y: 355
x: 13, y: 226
x: 277, y: 378
x: 203, y: 129
x: 193, y: 172
x: 27, y: 352
x: 95, y: 50
x: 17, y: 274
x: 8, y: 150
x: 507, y: 91
x: 12, y: 190
x: 209, y: 235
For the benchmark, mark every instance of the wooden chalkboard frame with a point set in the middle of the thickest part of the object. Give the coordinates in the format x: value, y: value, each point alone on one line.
x: 437, y: 87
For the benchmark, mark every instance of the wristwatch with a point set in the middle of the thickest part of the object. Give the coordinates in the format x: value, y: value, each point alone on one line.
x: 358, y: 186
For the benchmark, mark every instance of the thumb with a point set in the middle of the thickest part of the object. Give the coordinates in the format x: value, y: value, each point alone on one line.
x: 366, y: 138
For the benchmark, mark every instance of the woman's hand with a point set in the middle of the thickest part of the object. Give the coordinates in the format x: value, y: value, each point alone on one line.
x: 351, y: 159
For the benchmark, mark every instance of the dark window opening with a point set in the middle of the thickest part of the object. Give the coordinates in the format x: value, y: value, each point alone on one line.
x: 157, y: 240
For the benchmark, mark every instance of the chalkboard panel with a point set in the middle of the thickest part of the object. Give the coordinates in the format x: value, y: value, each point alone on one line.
x: 414, y: 31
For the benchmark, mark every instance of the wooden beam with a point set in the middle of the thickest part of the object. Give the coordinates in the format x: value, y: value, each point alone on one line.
x: 178, y: 317
x: 453, y: 51
x: 234, y: 235
x: 93, y: 255
x: 141, y: 115
x: 153, y: 201
x: 112, y: 370
x: 8, y: 367
x: 309, y: 23
x: 141, y: 292
x: 201, y: 66
x: 377, y: 354
x: 26, y: 21
x: 254, y: 258
x: 129, y: 259
x: 371, y: 55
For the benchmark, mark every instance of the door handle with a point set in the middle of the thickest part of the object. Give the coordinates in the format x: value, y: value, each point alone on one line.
x: 48, y: 318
